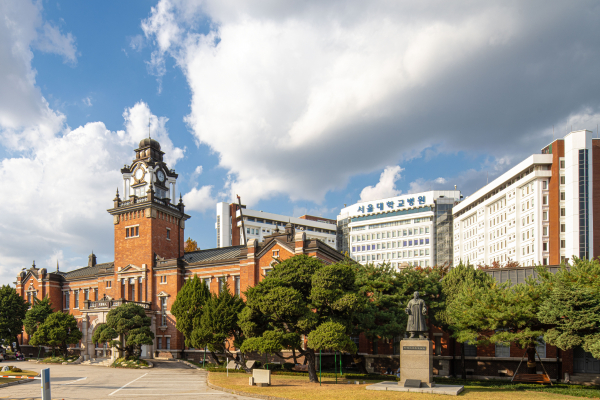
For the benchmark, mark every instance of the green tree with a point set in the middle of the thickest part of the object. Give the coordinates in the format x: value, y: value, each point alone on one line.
x: 487, y: 313
x: 188, y: 307
x: 218, y: 327
x: 573, y: 307
x: 58, y: 330
x: 382, y: 315
x: 36, y: 315
x: 452, y: 285
x: 298, y: 297
x: 12, y: 313
x: 130, y: 325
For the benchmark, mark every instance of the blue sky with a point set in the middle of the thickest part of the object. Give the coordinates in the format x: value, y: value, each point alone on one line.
x: 296, y: 107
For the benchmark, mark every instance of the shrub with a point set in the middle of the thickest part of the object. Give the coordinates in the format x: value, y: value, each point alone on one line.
x: 288, y: 366
x: 272, y: 367
x: 15, y: 369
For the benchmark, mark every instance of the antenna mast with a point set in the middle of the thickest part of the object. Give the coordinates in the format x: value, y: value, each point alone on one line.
x: 242, y: 217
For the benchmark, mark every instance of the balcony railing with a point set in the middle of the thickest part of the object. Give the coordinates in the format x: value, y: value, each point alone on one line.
x: 92, y: 305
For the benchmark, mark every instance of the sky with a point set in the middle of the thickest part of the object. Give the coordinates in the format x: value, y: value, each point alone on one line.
x: 298, y: 107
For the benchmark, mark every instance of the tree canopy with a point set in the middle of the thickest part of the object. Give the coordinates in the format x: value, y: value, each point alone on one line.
x: 12, y: 313
x: 37, y: 314
x: 573, y: 307
x: 452, y: 285
x: 129, y: 323
x: 58, y: 330
x: 302, y: 296
x: 218, y: 327
x: 188, y: 307
x: 487, y: 312
x: 190, y: 245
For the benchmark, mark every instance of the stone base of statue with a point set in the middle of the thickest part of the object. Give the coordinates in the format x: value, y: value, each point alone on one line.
x: 416, y: 363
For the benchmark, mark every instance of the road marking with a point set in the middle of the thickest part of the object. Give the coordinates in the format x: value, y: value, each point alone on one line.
x: 127, y: 384
x: 68, y: 383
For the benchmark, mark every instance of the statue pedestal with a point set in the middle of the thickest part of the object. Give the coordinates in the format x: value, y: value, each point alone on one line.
x: 416, y: 362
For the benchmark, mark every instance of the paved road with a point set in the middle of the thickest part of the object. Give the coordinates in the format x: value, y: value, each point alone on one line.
x: 168, y: 379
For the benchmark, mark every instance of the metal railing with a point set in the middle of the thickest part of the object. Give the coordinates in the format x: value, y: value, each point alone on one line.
x: 91, y: 305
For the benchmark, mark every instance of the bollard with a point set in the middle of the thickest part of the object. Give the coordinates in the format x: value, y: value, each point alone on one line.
x: 46, y: 384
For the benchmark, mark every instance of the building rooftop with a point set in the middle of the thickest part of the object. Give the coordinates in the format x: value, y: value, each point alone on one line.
x: 90, y: 271
x: 217, y: 254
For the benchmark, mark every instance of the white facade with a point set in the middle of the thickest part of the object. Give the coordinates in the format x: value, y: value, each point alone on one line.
x: 399, y: 230
x: 259, y: 224
x: 508, y: 219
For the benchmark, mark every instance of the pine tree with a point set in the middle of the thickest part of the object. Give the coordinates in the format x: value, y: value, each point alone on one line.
x: 188, y: 306
x: 36, y: 315
x: 573, y: 308
x: 58, y: 330
x: 217, y: 327
x: 484, y: 313
x: 130, y: 324
x: 12, y: 313
x: 452, y: 285
x: 299, y: 297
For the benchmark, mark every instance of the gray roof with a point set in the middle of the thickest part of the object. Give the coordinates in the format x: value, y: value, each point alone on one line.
x: 89, y: 271
x: 219, y: 254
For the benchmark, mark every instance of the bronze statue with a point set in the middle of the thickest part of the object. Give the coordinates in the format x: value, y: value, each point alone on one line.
x: 416, y: 310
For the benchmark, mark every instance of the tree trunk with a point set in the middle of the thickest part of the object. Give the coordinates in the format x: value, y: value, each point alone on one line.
x: 212, y: 353
x: 531, y: 365
x: 463, y: 373
x: 294, y: 355
x: 312, y: 370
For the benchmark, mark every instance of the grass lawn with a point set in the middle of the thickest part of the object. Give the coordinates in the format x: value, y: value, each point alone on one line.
x: 298, y: 388
x: 6, y: 380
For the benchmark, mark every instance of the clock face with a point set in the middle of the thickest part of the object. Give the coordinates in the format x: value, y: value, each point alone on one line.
x: 160, y: 175
x: 139, y: 174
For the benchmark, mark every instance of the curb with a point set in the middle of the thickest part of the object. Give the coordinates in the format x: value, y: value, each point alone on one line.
x: 15, y: 383
x: 239, y: 393
x: 189, y: 364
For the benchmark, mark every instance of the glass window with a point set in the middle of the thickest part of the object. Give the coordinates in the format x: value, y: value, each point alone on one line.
x: 502, y: 350
x: 168, y: 343
x: 237, y: 285
x: 76, y: 296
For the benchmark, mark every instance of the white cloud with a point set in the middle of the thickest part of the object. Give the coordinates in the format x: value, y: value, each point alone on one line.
x: 87, y: 101
x: 140, y: 123
x: 58, y: 182
x: 52, y: 40
x: 200, y: 199
x: 331, y: 89
x: 386, y: 187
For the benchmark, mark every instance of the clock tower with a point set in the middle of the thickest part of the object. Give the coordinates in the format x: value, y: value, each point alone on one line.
x: 148, y: 222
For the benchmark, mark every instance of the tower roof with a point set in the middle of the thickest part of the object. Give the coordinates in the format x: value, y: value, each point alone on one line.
x: 148, y: 142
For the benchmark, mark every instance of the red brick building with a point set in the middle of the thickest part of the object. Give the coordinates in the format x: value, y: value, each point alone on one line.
x: 150, y: 265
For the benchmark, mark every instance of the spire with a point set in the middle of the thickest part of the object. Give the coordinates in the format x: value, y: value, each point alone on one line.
x: 57, y: 269
x: 33, y: 265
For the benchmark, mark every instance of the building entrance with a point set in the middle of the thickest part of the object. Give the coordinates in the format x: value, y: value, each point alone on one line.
x: 583, y: 362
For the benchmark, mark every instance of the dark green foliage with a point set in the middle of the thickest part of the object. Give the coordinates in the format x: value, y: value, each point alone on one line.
x: 58, y: 330
x: 383, y: 314
x: 12, y: 313
x: 129, y: 323
x: 187, y: 307
x: 487, y: 312
x: 37, y: 315
x: 219, y: 322
x: 573, y: 307
x: 302, y: 296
